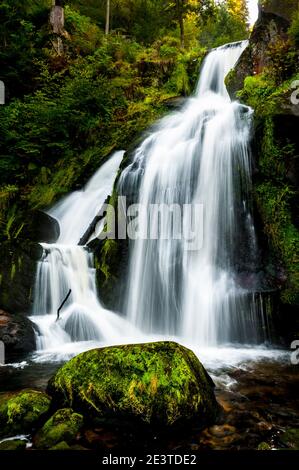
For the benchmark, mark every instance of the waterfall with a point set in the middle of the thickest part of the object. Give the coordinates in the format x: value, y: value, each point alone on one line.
x: 199, y: 156
x: 65, y: 265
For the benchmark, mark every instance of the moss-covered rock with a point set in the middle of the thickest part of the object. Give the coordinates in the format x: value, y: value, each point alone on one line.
x: 61, y: 446
x: 62, y: 428
x: 160, y: 383
x: 290, y: 438
x: 268, y: 33
x: 17, y: 274
x: 22, y: 412
x: 14, y: 444
x: 264, y: 446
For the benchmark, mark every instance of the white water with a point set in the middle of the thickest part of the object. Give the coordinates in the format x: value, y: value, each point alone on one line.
x: 76, y: 211
x: 65, y: 265
x: 198, y: 155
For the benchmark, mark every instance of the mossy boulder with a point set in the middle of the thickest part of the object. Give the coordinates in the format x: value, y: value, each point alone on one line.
x: 61, y: 446
x: 270, y: 29
x: 22, y: 412
x: 14, y: 444
x: 160, y: 383
x: 290, y: 438
x: 62, y: 428
x: 17, y: 274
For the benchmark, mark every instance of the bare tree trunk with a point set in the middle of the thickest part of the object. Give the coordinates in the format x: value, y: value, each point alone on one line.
x: 107, y: 27
x: 57, y: 22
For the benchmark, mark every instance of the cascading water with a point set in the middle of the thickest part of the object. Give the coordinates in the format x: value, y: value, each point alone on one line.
x: 199, y: 155
x: 65, y: 265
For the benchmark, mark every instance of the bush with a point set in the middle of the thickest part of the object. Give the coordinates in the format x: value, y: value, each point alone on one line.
x: 294, y: 29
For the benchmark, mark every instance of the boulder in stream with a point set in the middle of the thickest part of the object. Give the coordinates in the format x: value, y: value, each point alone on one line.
x: 17, y: 334
x: 160, y: 383
x: 62, y: 427
x: 22, y: 412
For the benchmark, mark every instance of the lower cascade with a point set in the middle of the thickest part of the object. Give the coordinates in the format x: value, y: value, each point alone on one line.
x: 198, y: 157
x: 66, y: 266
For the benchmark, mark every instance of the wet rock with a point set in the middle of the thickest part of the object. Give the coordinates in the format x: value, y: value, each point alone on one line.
x: 17, y: 274
x: 100, y: 439
x: 41, y: 227
x: 22, y: 412
x: 221, y: 431
x: 175, y: 103
x: 270, y: 28
x: 219, y: 437
x: 157, y: 383
x: 62, y: 427
x: 17, y: 334
x: 12, y: 445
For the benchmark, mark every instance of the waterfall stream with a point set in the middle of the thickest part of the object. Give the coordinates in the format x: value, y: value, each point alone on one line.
x: 198, y: 156
x: 65, y: 265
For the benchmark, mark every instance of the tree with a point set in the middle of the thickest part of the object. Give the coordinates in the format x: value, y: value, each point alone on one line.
x: 239, y: 9
x: 57, y: 23
x: 182, y: 8
x: 224, y: 25
x: 107, y: 26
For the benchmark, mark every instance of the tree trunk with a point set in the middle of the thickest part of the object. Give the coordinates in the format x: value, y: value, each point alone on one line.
x: 57, y: 22
x: 180, y: 15
x: 107, y: 27
x: 182, y: 31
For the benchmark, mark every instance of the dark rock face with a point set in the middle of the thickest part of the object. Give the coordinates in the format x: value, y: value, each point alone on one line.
x: 17, y: 274
x: 283, y: 8
x: 160, y: 384
x: 41, y: 227
x: 268, y: 30
x: 17, y: 333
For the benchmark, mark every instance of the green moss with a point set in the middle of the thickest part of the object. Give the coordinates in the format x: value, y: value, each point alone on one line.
x: 21, y: 412
x: 264, y: 446
x: 156, y: 382
x: 61, y: 428
x: 273, y: 195
x: 61, y: 446
x: 291, y: 438
x: 13, y: 271
x: 13, y: 445
x: 264, y: 95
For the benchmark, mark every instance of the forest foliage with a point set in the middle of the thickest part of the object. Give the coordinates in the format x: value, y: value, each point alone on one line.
x: 66, y: 112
